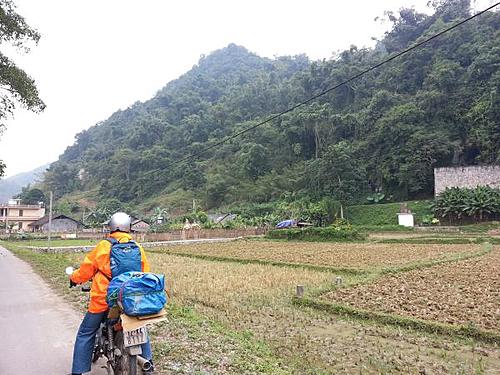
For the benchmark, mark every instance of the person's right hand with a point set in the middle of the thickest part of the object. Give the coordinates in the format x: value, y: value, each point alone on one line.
x: 72, y: 283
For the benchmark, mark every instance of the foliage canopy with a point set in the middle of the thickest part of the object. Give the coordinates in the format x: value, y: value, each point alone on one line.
x: 16, y: 86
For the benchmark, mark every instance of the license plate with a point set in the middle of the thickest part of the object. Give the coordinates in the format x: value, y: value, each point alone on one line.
x: 135, y: 337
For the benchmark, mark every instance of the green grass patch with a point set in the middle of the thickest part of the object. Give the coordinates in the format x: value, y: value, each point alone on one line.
x: 383, y: 228
x: 57, y: 242
x: 179, y: 342
x: 480, y: 227
x: 385, y: 214
x: 316, y: 234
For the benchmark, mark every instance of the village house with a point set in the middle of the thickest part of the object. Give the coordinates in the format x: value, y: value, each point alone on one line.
x: 59, y: 224
x: 139, y: 226
x: 15, y: 216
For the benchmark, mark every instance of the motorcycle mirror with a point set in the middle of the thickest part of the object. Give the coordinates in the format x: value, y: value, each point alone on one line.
x: 69, y: 271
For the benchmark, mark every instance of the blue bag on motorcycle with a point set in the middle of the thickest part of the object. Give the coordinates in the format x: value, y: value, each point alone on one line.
x: 137, y: 293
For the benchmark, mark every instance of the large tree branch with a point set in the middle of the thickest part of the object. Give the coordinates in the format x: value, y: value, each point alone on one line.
x: 13, y: 27
x: 21, y: 86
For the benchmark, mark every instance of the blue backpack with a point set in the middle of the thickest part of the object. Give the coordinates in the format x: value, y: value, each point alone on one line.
x: 124, y: 257
x: 137, y: 293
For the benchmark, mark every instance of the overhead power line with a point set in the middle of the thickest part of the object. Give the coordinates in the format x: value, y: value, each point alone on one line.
x: 274, y: 117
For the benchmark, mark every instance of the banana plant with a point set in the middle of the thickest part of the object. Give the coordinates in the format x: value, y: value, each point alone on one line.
x: 456, y: 203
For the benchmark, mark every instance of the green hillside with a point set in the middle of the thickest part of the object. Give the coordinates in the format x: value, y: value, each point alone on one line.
x: 385, y: 214
x: 385, y: 132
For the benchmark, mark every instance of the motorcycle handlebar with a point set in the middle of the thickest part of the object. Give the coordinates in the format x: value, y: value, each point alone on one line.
x: 69, y: 271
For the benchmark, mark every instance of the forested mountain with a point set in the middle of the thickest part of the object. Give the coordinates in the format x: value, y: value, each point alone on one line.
x: 438, y: 105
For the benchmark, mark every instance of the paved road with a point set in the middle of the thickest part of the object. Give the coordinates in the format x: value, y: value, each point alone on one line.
x: 37, y: 328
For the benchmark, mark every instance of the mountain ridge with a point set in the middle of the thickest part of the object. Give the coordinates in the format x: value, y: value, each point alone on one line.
x: 11, y: 186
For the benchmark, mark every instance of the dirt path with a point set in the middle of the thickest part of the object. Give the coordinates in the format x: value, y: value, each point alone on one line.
x: 37, y: 327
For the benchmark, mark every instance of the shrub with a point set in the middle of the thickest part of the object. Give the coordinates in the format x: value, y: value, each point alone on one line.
x: 316, y: 234
x: 429, y: 220
x: 459, y: 204
x: 341, y: 224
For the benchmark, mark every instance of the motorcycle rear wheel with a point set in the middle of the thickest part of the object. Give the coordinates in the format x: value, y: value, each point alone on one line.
x: 126, y: 364
x: 99, y: 346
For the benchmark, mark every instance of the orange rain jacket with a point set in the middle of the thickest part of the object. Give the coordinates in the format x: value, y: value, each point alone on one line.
x: 96, y: 266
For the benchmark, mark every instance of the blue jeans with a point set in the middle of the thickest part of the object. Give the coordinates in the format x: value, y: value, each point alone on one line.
x: 85, y: 341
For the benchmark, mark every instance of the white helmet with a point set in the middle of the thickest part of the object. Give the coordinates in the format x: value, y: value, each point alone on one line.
x: 120, y: 221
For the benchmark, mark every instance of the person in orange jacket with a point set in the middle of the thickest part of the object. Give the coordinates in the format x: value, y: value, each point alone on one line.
x: 96, y: 266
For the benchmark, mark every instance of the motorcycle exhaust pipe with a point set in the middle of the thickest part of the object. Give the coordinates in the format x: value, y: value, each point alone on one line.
x: 144, y: 363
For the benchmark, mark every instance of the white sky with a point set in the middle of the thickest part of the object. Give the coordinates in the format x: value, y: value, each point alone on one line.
x: 96, y: 57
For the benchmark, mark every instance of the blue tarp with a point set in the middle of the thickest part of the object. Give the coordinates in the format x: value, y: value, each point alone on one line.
x: 137, y: 293
x: 286, y: 224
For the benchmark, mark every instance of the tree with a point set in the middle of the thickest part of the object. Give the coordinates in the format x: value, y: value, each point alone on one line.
x: 16, y: 86
x: 254, y: 160
x: 30, y: 195
x: 341, y: 173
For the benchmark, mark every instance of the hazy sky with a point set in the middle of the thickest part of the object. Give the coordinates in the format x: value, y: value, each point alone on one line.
x: 96, y: 57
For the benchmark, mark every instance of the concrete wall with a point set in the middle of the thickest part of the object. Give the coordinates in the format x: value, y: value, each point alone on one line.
x: 468, y: 177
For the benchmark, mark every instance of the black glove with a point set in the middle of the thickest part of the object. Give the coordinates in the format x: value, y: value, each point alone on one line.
x: 72, y: 283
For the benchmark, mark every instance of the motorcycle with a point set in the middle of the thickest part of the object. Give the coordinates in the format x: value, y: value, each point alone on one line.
x: 119, y: 340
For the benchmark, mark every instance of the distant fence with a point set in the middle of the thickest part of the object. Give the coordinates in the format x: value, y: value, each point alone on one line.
x: 178, y: 235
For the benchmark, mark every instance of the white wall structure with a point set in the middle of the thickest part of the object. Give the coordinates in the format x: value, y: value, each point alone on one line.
x: 406, y: 220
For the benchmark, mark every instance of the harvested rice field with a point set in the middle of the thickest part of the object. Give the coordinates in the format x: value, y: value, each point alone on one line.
x: 233, y: 317
x: 229, y: 286
x: 335, y: 255
x: 465, y: 292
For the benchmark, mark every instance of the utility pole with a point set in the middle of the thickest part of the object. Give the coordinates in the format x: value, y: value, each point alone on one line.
x: 341, y: 207
x: 7, y: 231
x: 50, y: 220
